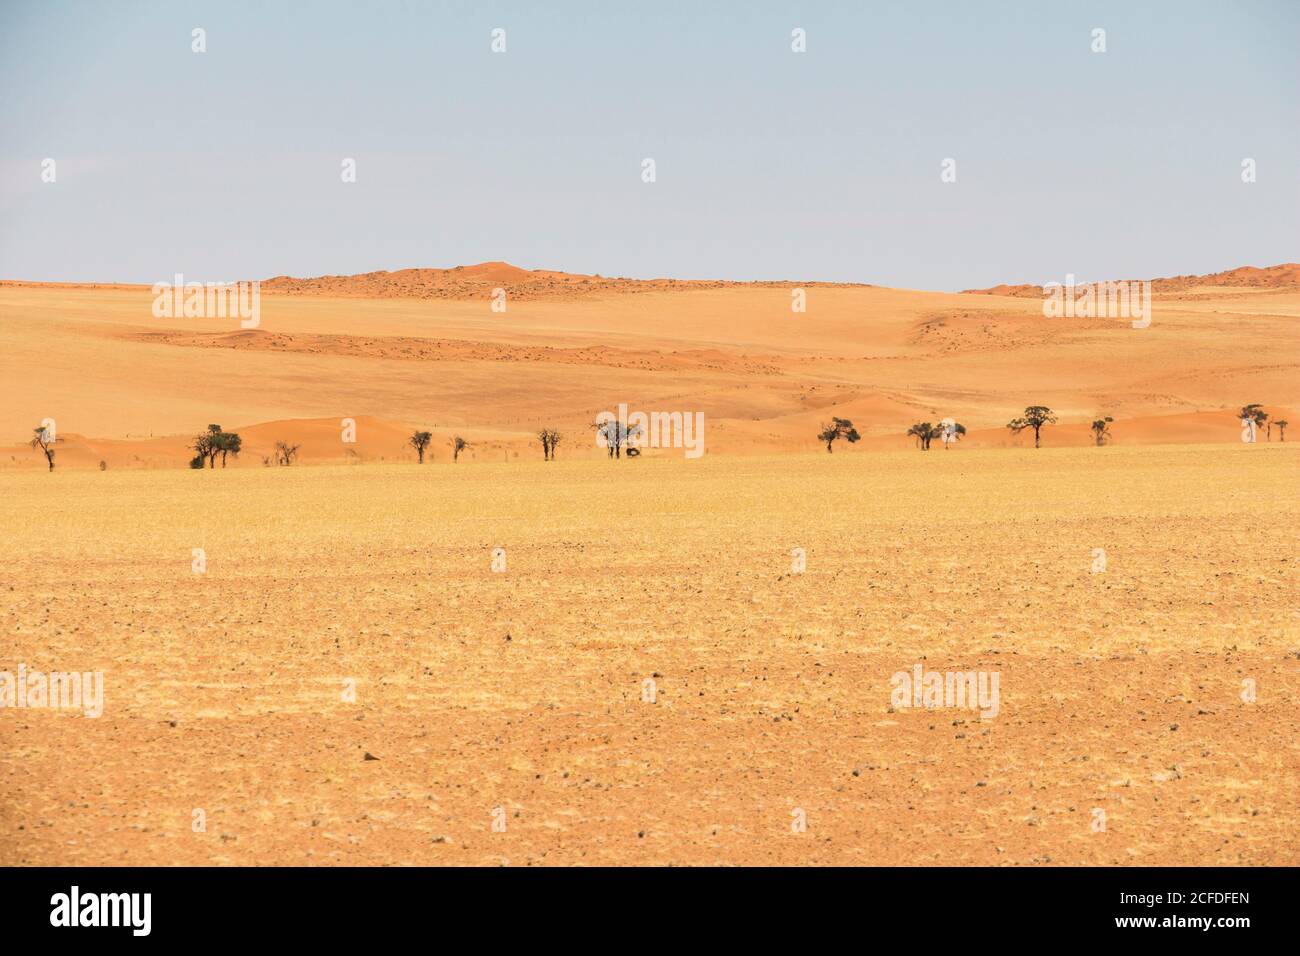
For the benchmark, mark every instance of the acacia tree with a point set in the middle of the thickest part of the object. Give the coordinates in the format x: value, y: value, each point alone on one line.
x: 215, y: 442
x: 838, y: 428
x: 44, y: 440
x: 1101, y: 430
x: 1035, y: 417
x: 1255, y: 413
x: 204, y: 447
x: 1281, y: 424
x: 951, y: 432
x: 229, y: 443
x: 924, y: 433
x: 458, y: 445
x: 420, y: 441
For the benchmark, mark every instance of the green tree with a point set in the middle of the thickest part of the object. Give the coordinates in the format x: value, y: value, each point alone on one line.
x: 1101, y: 430
x: 1035, y: 417
x: 924, y: 433
x: 837, y: 429
x: 215, y: 442
x: 229, y: 443
x: 420, y: 441
x: 1254, y: 412
x: 205, y: 446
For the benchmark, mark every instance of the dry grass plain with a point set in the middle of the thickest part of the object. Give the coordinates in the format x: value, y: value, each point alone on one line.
x: 523, y: 689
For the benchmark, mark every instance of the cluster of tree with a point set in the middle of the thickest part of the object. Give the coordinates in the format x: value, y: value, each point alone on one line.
x: 212, y: 443
x: 549, y: 438
x: 285, y: 454
x: 617, y: 435
x: 947, y: 431
x: 1255, y: 412
x: 925, y: 433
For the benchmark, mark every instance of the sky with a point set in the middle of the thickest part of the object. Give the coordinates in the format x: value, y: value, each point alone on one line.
x: 768, y: 163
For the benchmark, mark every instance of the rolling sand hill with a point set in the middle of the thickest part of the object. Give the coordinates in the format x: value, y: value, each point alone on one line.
x: 1285, y: 276
x: 422, y: 348
x: 479, y: 281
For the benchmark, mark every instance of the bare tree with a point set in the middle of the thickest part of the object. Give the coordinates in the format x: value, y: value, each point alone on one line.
x: 285, y: 454
x: 616, y: 434
x: 458, y: 445
x: 44, y: 439
x: 420, y: 441
x: 549, y: 438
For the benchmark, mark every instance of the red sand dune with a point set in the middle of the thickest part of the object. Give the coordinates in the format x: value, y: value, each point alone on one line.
x: 479, y: 281
x: 766, y: 378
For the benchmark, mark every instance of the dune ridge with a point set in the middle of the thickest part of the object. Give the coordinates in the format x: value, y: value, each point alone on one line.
x: 765, y: 376
x: 480, y: 280
x: 1284, y: 276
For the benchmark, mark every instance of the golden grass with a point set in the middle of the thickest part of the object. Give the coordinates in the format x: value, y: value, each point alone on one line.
x: 523, y: 689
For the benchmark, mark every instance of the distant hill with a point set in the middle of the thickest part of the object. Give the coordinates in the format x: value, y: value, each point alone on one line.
x: 1283, y: 276
x: 479, y: 281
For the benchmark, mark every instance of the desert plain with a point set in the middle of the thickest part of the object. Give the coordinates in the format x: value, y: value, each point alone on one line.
x: 510, y: 661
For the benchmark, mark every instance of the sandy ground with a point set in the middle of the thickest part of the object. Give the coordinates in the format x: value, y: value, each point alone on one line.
x: 523, y: 689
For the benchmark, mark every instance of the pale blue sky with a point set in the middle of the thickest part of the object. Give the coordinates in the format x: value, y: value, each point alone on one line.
x: 771, y: 164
